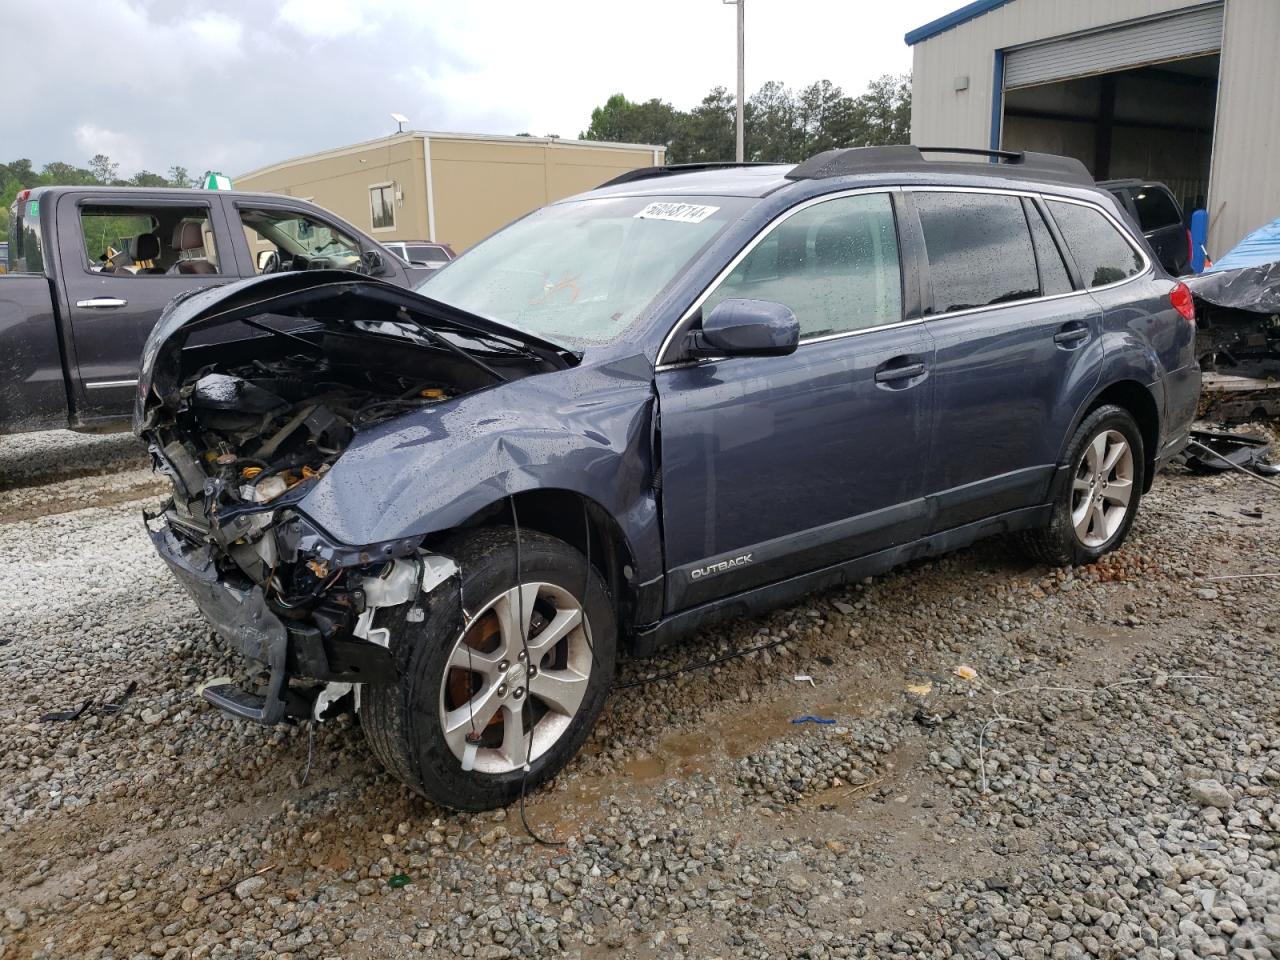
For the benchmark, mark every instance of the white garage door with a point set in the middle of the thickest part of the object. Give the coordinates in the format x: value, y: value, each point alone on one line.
x: 1187, y: 34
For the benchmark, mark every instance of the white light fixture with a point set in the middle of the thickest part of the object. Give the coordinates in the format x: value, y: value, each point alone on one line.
x: 400, y: 120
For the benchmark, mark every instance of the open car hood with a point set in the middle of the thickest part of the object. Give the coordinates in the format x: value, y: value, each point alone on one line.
x: 323, y: 297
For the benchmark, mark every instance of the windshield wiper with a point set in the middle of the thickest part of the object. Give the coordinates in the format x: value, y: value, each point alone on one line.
x: 453, y: 347
x: 281, y: 333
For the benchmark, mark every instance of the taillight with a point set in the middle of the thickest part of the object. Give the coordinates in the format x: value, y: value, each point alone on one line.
x: 1180, y: 297
x: 22, y: 195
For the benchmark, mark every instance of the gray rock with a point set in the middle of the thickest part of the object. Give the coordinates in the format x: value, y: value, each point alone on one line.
x: 1210, y: 793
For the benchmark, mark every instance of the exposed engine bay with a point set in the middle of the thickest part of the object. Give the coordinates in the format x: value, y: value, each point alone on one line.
x: 261, y: 422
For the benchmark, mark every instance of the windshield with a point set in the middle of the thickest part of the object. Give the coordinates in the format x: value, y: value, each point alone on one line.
x: 582, y: 273
x: 297, y: 234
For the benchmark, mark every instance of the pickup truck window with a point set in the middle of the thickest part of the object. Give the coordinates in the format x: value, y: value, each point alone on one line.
x: 289, y: 240
x: 25, y: 252
x: 148, y: 241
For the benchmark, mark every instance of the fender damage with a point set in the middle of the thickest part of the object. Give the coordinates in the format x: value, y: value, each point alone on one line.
x: 318, y: 430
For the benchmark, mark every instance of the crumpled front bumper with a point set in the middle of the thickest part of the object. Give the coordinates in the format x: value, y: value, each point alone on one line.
x: 242, y: 618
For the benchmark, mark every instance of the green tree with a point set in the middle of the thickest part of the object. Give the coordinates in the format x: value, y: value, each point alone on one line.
x: 622, y: 121
x: 885, y: 110
x: 64, y: 174
x: 178, y: 177
x: 103, y: 169
x: 770, y: 125
x: 781, y: 125
x: 706, y: 134
x: 145, y: 178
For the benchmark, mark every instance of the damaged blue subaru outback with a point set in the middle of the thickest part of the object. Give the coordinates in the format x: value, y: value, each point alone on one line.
x: 691, y: 393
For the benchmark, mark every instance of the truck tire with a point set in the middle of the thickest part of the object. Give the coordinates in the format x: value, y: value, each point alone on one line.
x: 483, y: 709
x: 1095, y: 508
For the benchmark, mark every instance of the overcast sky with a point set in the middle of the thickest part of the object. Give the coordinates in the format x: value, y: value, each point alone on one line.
x: 236, y: 85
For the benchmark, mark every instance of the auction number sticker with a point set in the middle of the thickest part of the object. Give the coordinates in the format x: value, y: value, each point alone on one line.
x: 680, y: 212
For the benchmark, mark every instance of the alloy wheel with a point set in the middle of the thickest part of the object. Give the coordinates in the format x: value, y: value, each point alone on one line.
x: 1102, y: 488
x: 516, y: 677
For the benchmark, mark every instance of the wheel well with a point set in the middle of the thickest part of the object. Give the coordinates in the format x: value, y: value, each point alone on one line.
x: 566, y: 515
x: 1137, y: 399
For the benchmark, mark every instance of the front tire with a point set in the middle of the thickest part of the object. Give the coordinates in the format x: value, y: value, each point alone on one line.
x: 520, y: 680
x: 1096, y: 506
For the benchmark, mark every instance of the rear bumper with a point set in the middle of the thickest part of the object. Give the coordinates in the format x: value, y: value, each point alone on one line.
x: 244, y: 620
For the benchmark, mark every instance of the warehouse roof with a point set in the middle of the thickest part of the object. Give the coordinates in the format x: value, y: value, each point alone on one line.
x: 969, y: 11
x: 406, y: 135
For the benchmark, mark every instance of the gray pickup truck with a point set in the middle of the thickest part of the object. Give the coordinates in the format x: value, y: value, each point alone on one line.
x: 91, y: 268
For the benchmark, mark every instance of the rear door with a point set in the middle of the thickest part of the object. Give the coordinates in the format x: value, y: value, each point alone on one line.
x: 1017, y: 350
x: 774, y: 466
x: 122, y: 260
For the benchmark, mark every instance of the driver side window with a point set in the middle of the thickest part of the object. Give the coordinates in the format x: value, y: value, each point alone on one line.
x: 835, y: 264
x: 289, y: 240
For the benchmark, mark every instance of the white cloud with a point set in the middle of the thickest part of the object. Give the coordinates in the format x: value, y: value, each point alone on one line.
x: 121, y: 148
x: 219, y: 35
x: 239, y: 84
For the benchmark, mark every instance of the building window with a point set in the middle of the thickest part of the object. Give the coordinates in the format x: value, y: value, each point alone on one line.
x: 382, y: 206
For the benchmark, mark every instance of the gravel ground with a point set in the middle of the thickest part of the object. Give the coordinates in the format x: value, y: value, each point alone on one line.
x: 1103, y: 786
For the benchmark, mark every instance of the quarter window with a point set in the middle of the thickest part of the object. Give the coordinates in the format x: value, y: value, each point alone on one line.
x: 1053, y: 272
x: 979, y: 250
x: 382, y: 206
x: 835, y: 264
x: 1101, y: 252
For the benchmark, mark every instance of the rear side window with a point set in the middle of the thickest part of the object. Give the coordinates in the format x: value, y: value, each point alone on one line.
x: 1156, y: 208
x: 25, y: 252
x: 1053, y: 272
x: 835, y: 264
x: 428, y: 254
x: 1100, y: 250
x: 979, y: 250
x: 147, y: 241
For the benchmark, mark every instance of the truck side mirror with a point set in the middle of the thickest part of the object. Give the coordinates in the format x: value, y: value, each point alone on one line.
x: 371, y: 263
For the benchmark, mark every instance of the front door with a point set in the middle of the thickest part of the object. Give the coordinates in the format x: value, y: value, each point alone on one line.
x: 122, y: 261
x: 773, y: 466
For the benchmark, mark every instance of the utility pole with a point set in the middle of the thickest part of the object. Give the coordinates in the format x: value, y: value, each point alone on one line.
x: 742, y: 53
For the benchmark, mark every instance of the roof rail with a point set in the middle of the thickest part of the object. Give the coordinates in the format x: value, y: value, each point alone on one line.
x: 908, y: 158
x: 669, y: 169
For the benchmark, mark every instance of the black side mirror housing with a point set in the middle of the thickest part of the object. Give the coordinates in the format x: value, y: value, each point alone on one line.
x: 745, y: 328
x: 371, y: 263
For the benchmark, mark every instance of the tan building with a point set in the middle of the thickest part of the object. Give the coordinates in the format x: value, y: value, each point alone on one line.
x: 453, y: 188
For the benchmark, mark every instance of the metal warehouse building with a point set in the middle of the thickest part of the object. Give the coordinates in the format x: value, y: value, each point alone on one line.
x: 453, y: 188
x: 1172, y: 90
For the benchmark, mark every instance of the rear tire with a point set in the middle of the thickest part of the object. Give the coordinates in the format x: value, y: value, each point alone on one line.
x: 1095, y: 508
x: 494, y: 697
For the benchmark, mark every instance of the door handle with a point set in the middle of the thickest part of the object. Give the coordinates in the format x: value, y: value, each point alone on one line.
x: 1069, y: 336
x: 887, y: 374
x: 102, y: 303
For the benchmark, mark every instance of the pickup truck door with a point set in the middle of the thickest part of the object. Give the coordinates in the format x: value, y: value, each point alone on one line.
x: 108, y: 310
x: 318, y: 238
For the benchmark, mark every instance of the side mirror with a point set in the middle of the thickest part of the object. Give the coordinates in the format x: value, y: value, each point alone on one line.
x: 371, y: 263
x: 745, y: 328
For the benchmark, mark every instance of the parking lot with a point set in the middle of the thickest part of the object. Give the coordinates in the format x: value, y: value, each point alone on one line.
x: 1103, y: 786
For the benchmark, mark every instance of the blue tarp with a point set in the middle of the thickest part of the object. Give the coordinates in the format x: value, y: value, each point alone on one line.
x: 1261, y: 246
